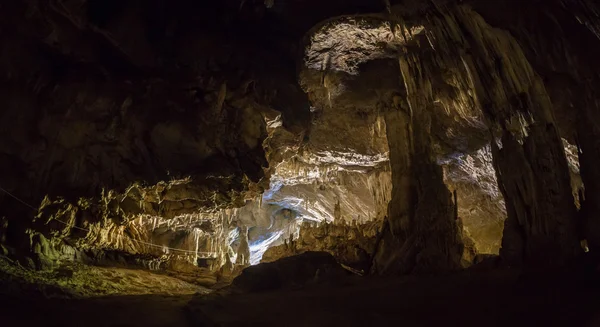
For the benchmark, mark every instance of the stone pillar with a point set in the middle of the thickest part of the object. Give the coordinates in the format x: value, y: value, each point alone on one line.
x: 422, y: 235
x: 396, y: 224
x: 541, y: 226
x: 432, y: 235
x: 530, y: 162
x: 588, y: 139
x: 243, y: 253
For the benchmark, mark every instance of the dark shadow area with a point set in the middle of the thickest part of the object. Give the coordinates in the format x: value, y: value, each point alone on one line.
x: 142, y: 310
x: 388, y: 163
x: 499, y: 297
x: 469, y: 298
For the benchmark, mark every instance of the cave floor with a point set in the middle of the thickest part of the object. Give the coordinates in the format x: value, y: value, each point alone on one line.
x: 75, y: 280
x: 132, y: 310
x: 497, y: 298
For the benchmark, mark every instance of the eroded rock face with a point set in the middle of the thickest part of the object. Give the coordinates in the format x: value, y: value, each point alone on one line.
x: 203, y: 135
x: 453, y: 62
x: 481, y: 206
x: 516, y: 104
x: 294, y: 271
x: 351, y: 245
x: 157, y: 119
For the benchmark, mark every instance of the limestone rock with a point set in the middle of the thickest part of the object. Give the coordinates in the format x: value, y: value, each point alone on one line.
x: 309, y: 267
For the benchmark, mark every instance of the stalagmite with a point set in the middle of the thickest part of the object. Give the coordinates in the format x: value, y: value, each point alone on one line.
x: 207, y: 136
x: 506, y: 87
x: 243, y: 252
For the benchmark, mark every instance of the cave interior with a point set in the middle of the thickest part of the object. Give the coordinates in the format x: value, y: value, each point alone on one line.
x: 300, y: 163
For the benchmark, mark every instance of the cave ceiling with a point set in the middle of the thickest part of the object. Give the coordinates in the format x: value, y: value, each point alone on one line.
x: 221, y: 127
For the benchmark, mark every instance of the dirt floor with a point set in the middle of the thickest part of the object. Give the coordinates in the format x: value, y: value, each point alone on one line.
x: 75, y: 280
x: 82, y: 295
x: 498, y: 298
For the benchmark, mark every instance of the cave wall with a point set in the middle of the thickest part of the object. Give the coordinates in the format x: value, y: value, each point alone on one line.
x: 481, y: 208
x: 120, y: 114
x: 566, y: 65
x: 351, y: 244
x: 496, y: 74
x: 541, y: 225
x: 119, y: 111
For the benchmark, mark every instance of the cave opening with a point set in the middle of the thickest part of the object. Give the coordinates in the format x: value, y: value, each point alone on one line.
x: 380, y: 162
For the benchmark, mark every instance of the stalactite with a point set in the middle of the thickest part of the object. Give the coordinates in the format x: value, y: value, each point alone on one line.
x: 514, y: 101
x: 422, y: 233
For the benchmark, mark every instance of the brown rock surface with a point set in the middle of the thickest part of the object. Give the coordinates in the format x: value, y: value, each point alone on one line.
x: 192, y: 139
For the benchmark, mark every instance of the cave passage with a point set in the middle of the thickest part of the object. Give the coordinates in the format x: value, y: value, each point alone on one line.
x: 220, y: 163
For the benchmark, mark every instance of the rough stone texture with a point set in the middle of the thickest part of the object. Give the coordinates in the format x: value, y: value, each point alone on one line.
x: 351, y: 245
x: 198, y: 132
x: 422, y: 216
x: 546, y: 227
x: 82, y: 281
x: 294, y: 271
x: 495, y: 77
x: 569, y: 77
x: 169, y: 127
x: 117, y: 113
x: 481, y: 206
x: 512, y: 98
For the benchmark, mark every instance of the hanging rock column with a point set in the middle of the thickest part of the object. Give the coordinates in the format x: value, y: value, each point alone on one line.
x: 581, y: 18
x: 421, y: 234
x: 394, y: 231
x: 530, y: 162
x: 588, y: 138
x: 433, y: 239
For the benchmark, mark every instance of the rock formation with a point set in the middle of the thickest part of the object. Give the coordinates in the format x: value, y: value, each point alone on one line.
x: 198, y: 138
x: 352, y: 245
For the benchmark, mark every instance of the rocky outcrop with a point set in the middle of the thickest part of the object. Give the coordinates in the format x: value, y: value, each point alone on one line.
x: 290, y: 272
x: 569, y: 79
x: 482, y: 77
x: 84, y: 281
x: 540, y: 231
x: 480, y: 204
x: 205, y: 134
x: 351, y: 245
x: 107, y: 126
x: 422, y: 234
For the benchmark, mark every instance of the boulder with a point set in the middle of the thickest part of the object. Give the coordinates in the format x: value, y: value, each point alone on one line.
x: 290, y: 272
